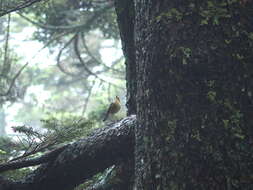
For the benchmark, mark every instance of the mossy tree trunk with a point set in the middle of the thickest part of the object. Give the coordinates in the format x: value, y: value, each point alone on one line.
x: 194, y: 94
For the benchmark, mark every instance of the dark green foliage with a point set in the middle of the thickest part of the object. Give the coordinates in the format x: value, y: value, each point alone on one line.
x: 68, y: 129
x: 30, y: 143
x: 66, y: 16
x: 10, y: 149
x: 53, y: 133
x: 7, y: 148
x: 17, y: 174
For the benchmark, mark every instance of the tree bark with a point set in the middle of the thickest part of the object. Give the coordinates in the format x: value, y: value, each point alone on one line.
x: 81, y: 160
x: 125, y: 17
x: 118, y: 177
x: 194, y: 94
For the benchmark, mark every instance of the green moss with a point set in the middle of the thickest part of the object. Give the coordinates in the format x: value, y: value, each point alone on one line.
x: 213, y: 12
x: 225, y: 123
x: 211, y: 95
x: 172, y: 15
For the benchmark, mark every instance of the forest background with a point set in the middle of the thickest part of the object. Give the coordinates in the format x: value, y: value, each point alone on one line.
x: 61, y: 65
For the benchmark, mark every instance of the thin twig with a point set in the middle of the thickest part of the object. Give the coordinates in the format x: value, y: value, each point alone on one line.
x: 19, y: 72
x: 38, y: 148
x: 21, y: 142
x: 59, y: 57
x: 18, y: 7
x: 32, y: 161
x: 76, y: 49
x: 76, y: 27
x: 13, y: 80
x: 51, y: 40
x: 96, y: 59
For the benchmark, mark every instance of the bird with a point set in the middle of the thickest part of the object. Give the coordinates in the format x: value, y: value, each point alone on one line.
x: 113, y: 108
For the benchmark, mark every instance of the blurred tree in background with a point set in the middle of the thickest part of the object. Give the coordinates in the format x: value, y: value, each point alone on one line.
x: 57, y: 102
x: 80, y: 34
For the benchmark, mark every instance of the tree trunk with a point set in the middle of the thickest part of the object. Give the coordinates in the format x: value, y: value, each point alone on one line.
x: 194, y: 94
x: 125, y: 17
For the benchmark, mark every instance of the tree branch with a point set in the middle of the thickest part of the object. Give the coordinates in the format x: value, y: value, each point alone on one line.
x: 82, y: 159
x: 17, y: 7
x: 59, y: 57
x: 31, y: 162
x: 76, y: 27
x: 77, y: 52
x: 13, y: 80
x: 98, y: 61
